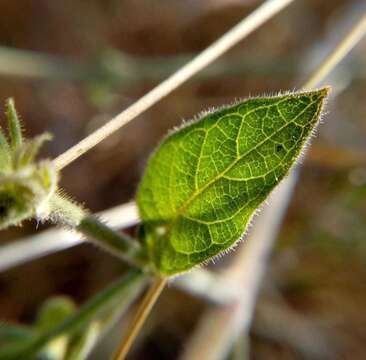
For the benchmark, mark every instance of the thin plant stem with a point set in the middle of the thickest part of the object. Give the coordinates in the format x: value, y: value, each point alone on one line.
x: 116, y: 243
x: 263, y: 13
x: 142, y: 313
x: 338, y: 54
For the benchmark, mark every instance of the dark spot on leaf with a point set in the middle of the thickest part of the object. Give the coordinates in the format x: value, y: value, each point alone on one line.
x: 3, y: 211
x: 279, y: 148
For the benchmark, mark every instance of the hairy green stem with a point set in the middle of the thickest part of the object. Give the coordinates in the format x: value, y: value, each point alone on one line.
x: 121, y: 245
x: 100, y: 302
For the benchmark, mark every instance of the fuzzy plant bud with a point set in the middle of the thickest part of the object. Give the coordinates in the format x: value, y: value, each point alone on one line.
x: 26, y: 185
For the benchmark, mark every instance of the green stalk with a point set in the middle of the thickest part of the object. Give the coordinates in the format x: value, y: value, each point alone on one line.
x: 121, y: 245
x: 116, y: 243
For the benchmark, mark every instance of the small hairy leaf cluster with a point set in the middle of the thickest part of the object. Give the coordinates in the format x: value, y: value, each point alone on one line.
x: 25, y: 184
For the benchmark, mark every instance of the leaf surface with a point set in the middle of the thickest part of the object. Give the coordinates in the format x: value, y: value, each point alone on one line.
x: 205, y: 181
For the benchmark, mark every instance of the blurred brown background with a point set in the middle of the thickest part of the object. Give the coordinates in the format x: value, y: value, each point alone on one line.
x: 81, y: 62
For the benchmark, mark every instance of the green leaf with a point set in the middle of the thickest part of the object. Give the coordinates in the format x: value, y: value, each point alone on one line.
x: 206, y: 180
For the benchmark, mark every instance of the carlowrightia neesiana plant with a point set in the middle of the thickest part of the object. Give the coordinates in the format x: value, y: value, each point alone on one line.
x: 197, y: 196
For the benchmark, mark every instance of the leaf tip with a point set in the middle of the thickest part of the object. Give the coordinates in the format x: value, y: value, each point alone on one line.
x: 324, y: 91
